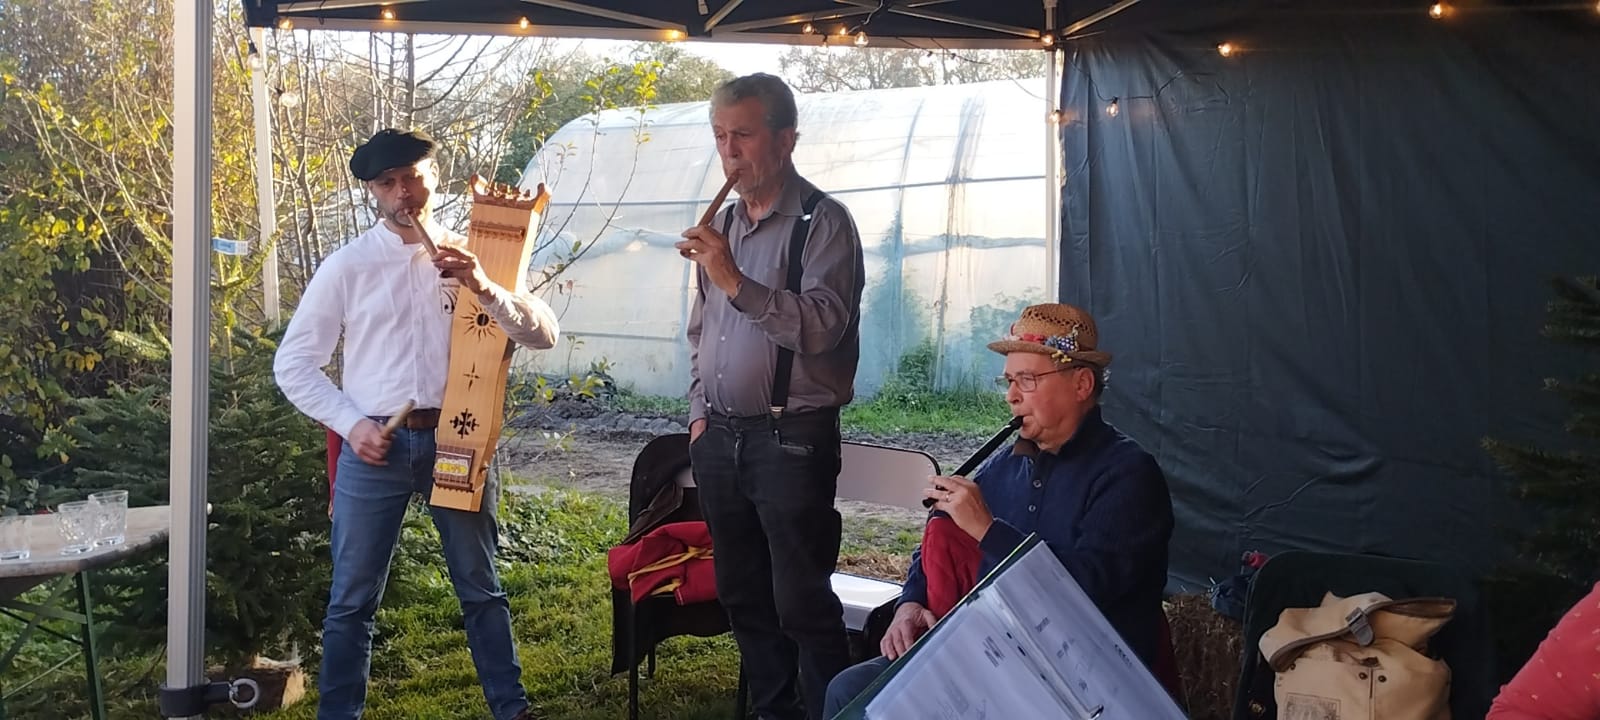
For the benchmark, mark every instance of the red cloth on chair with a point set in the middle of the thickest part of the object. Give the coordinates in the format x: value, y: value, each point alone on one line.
x: 674, y: 557
x: 950, y: 560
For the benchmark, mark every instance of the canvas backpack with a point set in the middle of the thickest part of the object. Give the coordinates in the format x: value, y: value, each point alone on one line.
x: 1363, y: 657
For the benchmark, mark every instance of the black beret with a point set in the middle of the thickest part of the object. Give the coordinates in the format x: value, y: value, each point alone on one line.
x: 390, y: 149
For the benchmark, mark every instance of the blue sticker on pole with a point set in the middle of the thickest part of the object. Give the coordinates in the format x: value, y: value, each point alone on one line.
x: 230, y: 247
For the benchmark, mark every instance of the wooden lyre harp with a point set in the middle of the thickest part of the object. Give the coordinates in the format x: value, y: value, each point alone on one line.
x: 500, y: 232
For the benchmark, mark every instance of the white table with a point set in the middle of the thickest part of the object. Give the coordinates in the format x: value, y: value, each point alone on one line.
x: 147, y: 527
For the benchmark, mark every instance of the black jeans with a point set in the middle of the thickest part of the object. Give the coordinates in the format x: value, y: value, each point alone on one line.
x: 766, y: 489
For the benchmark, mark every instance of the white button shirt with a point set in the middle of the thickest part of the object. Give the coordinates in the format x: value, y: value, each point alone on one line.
x: 395, y: 313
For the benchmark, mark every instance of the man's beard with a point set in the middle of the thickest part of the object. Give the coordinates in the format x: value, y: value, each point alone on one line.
x: 397, y: 216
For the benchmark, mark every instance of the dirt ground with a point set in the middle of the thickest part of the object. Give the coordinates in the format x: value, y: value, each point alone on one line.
x: 602, y: 462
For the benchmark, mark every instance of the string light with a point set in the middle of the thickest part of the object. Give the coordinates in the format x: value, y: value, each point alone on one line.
x: 1438, y: 10
x: 843, y: 31
x: 286, y: 24
x: 1226, y: 49
x: 388, y: 14
x: 674, y: 35
x: 1112, y: 109
x: 808, y: 29
x: 523, y: 23
x: 1047, y: 40
x: 861, y: 39
x: 252, y: 58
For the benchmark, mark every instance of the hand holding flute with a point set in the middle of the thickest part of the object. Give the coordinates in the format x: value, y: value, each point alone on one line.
x: 705, y: 245
x: 959, y: 497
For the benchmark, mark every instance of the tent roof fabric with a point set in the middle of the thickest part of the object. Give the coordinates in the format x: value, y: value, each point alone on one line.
x: 1018, y: 23
x: 923, y: 24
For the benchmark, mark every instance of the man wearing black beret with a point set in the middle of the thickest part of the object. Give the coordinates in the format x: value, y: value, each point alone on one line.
x: 392, y: 300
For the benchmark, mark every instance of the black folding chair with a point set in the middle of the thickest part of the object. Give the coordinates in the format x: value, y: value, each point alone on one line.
x: 1300, y: 579
x: 661, y: 491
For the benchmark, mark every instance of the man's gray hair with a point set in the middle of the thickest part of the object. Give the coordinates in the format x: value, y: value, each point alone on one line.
x: 775, y: 96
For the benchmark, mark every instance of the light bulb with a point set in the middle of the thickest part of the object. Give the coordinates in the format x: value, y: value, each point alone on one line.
x: 674, y: 35
x: 523, y: 23
x: 289, y: 99
x: 1438, y: 10
x: 253, y: 61
x: 861, y: 39
x: 1047, y: 40
x: 1225, y: 49
x: 843, y: 31
x: 1112, y: 109
x: 286, y: 24
x: 1055, y: 117
x: 388, y: 14
x: 808, y: 29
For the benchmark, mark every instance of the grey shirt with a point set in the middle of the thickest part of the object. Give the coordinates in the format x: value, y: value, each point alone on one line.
x: 733, y: 342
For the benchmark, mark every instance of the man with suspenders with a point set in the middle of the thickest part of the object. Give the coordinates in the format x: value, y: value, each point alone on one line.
x: 773, y: 350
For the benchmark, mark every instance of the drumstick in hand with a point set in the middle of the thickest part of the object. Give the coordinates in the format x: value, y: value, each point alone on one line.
x: 716, y: 204
x: 398, y: 418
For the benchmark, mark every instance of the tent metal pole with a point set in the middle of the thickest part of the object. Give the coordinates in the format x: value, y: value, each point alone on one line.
x: 1085, y: 23
x: 1052, y: 164
x: 191, y: 330
x: 266, y: 199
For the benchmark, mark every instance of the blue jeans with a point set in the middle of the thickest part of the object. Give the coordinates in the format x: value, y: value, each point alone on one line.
x: 852, y: 681
x: 368, y: 507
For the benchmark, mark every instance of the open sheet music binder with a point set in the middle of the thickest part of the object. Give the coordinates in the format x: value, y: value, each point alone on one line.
x: 1026, y: 643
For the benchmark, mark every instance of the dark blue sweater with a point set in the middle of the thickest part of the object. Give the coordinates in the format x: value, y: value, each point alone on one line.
x: 1101, y: 504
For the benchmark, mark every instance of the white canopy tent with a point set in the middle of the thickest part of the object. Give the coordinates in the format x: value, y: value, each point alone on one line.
x: 913, y: 23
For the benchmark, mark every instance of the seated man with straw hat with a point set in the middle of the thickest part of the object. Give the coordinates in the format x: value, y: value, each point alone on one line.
x: 1092, y: 495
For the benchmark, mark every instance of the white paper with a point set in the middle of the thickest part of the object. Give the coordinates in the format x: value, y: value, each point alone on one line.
x: 1031, y: 644
x: 971, y: 669
x: 1098, y: 668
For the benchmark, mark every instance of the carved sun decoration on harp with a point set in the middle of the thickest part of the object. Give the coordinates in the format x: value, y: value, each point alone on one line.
x: 479, y: 324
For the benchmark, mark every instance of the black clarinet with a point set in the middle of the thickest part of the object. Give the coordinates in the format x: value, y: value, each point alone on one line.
x: 982, y: 454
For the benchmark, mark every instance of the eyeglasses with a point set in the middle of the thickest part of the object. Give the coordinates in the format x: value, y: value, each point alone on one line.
x: 1027, y: 381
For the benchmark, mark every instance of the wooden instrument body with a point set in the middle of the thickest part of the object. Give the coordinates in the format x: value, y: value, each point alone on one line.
x: 500, y: 233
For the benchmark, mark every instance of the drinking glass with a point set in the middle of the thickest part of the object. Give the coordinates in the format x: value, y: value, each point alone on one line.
x: 14, y: 545
x: 111, y: 517
x: 76, y: 521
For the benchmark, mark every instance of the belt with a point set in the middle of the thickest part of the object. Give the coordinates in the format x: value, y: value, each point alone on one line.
x: 419, y: 419
x: 784, y: 417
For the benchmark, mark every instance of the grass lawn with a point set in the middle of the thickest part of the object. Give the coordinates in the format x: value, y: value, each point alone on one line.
x: 553, y: 567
